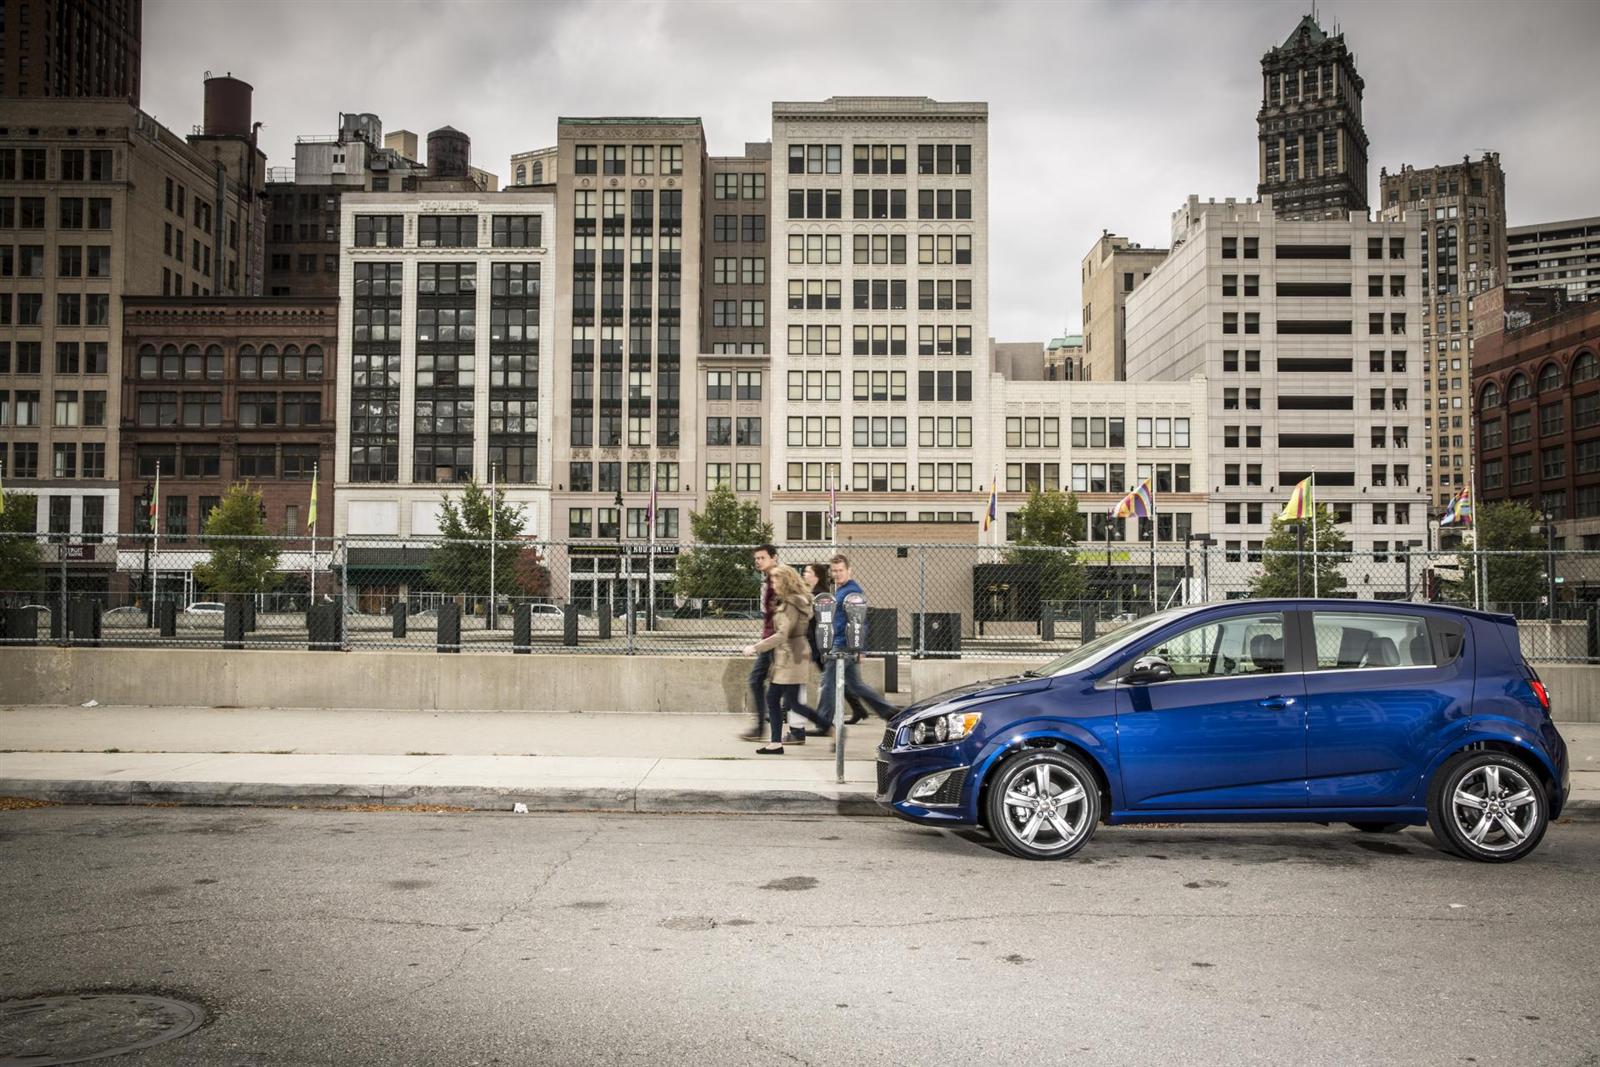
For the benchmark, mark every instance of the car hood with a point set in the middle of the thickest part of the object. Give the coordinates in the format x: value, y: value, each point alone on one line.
x: 985, y: 690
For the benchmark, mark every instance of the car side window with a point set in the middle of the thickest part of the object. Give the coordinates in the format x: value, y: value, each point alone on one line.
x: 1350, y: 640
x: 1241, y: 645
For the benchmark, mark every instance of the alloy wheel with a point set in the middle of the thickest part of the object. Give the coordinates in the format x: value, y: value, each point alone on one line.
x: 1494, y: 807
x: 1047, y: 807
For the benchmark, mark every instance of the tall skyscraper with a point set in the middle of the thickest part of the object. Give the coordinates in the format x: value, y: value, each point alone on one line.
x: 1557, y: 254
x: 883, y: 208
x: 1112, y: 269
x: 1459, y: 213
x: 71, y: 48
x: 1313, y: 154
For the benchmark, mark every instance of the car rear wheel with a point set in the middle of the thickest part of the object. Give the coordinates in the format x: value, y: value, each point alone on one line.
x: 1379, y: 827
x: 1488, y: 806
x: 1044, y: 805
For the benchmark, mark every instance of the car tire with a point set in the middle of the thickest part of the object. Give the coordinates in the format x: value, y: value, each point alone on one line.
x: 1052, y: 831
x: 1505, y: 790
x: 1379, y: 827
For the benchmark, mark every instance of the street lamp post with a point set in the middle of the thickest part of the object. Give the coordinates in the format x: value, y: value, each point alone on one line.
x: 617, y: 504
x: 149, y: 597
x: 1550, y: 560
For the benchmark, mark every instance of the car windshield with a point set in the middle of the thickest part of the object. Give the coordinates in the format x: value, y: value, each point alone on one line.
x: 1093, y: 651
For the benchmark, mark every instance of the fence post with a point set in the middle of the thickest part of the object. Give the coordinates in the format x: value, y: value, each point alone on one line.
x: 60, y: 617
x: 1408, y: 571
x: 344, y: 593
x: 625, y: 561
x: 920, y: 642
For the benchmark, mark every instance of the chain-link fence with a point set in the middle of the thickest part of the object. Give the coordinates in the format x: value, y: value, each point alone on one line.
x: 928, y: 601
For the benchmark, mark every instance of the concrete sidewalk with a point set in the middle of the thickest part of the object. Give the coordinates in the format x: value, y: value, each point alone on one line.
x: 482, y: 760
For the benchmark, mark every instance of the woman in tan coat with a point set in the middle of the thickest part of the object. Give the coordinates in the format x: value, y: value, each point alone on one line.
x: 791, y: 657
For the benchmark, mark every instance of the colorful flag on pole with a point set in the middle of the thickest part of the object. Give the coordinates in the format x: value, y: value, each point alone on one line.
x: 1300, y: 504
x: 2, y: 488
x: 992, y: 512
x: 155, y: 499
x: 1459, y: 513
x: 311, y: 513
x: 833, y: 500
x: 650, y: 509
x: 1137, y: 504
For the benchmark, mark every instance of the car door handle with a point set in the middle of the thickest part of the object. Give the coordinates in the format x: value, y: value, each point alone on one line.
x: 1278, y: 703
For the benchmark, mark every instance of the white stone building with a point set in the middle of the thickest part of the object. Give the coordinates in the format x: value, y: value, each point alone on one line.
x: 1309, y: 338
x: 880, y: 285
x: 442, y: 373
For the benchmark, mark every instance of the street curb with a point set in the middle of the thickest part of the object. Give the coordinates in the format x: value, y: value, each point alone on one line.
x: 627, y: 799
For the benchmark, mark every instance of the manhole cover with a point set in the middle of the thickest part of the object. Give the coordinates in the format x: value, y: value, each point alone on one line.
x: 89, y: 1026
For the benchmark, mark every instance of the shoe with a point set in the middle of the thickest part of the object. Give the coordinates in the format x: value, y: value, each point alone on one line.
x: 820, y: 731
x: 770, y: 750
x: 855, y: 717
x: 889, y: 714
x: 755, y: 733
x: 795, y: 736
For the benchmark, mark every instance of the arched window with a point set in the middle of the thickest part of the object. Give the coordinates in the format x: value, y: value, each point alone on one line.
x: 1489, y: 398
x: 214, y: 363
x: 171, y: 363
x: 1586, y: 368
x: 269, y: 363
x: 194, y: 364
x: 292, y: 367
x: 249, y: 363
x: 538, y: 174
x: 522, y: 174
x: 313, y: 363
x: 1549, y: 377
x: 149, y: 365
x: 1518, y: 388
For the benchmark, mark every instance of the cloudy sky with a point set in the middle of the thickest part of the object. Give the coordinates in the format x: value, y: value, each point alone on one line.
x: 1103, y: 115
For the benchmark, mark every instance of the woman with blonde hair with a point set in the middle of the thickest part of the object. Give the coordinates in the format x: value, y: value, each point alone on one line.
x: 791, y: 656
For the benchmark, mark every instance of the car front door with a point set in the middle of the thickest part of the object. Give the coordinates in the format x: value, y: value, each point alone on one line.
x: 1381, y: 687
x: 1227, y: 729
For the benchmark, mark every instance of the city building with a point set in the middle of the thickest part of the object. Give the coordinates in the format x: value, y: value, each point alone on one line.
x: 884, y: 212
x: 1064, y: 359
x: 628, y: 283
x: 1459, y: 215
x: 1308, y: 336
x: 71, y: 48
x: 218, y: 391
x: 732, y: 372
x: 537, y: 167
x: 98, y: 201
x: 1557, y: 253
x: 1536, y: 382
x: 1313, y: 145
x: 1112, y: 269
x: 426, y: 399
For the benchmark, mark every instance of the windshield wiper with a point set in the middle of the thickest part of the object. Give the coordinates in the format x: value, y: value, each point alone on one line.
x: 1032, y: 674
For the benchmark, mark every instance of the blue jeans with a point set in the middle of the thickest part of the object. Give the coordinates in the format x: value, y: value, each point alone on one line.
x: 758, y: 685
x: 855, y: 690
x: 782, y: 699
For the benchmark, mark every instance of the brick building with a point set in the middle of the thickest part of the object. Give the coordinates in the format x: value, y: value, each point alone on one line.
x: 219, y: 390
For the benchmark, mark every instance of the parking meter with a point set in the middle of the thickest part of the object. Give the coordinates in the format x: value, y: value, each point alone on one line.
x: 855, y: 610
x: 823, y: 605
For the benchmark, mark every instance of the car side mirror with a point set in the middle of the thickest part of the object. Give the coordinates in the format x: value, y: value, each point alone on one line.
x: 1147, y: 669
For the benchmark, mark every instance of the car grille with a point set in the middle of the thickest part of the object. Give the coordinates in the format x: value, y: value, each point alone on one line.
x: 888, y: 737
x: 883, y: 778
x: 950, y: 791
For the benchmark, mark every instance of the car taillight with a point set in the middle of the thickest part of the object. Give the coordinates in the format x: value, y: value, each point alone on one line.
x: 1541, y: 692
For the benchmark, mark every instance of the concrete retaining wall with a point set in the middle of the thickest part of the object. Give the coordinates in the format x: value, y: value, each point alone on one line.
x: 422, y: 680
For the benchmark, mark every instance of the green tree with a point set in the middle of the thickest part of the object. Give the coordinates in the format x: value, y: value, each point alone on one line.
x: 1047, y: 530
x: 711, y: 571
x: 461, y: 563
x: 238, y: 566
x: 21, y: 562
x: 1513, y: 558
x: 1285, y: 574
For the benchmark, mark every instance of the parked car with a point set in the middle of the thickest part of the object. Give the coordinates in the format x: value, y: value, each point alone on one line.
x: 205, y: 608
x: 1381, y: 715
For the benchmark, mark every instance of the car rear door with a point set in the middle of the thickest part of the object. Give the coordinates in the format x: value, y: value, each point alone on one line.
x: 1381, y: 687
x: 1228, y: 730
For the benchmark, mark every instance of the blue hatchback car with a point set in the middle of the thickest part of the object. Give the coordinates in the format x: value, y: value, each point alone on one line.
x: 1381, y: 715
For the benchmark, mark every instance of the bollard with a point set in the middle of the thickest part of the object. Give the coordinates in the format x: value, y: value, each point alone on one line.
x: 522, y: 628
x: 603, y: 621
x: 1047, y: 623
x: 233, y: 623
x: 883, y: 638
x: 324, y: 628
x: 449, y: 636
x: 249, y: 606
x: 22, y: 627
x: 84, y: 617
x: 167, y: 618
x: 399, y: 612
x: 569, y: 625
x: 1086, y: 621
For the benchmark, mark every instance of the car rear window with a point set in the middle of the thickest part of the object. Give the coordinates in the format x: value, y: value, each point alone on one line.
x: 1350, y: 640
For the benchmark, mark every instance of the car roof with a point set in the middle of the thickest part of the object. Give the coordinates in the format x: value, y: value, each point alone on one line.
x: 1346, y: 604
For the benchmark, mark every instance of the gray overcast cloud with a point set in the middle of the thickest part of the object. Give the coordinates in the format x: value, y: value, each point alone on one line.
x: 1103, y: 115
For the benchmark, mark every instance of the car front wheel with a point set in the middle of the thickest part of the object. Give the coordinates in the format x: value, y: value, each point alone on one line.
x: 1488, y: 806
x: 1044, y: 805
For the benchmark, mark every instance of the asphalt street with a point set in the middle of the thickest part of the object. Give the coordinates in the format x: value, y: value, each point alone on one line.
x: 348, y: 937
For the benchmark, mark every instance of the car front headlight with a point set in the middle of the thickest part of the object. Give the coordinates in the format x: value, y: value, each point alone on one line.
x: 945, y: 728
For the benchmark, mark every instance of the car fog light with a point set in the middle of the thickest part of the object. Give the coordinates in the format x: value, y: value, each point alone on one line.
x: 928, y: 786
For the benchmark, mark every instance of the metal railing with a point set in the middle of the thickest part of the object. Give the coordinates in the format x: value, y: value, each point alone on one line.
x: 633, y: 597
